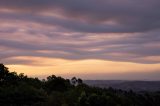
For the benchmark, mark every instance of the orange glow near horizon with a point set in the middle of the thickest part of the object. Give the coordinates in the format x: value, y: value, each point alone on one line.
x: 48, y: 66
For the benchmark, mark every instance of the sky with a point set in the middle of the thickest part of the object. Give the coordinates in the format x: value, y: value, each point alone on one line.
x: 90, y: 39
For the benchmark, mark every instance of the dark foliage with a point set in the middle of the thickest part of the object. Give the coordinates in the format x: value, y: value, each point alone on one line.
x: 20, y: 90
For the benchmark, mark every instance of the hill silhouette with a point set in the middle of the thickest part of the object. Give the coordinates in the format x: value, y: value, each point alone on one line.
x: 21, y: 90
x: 127, y: 85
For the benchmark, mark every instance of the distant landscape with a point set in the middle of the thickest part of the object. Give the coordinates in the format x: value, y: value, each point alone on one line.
x: 21, y: 90
x: 126, y: 85
x: 79, y: 52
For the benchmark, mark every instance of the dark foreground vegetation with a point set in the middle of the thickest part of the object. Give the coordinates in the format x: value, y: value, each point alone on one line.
x: 20, y: 90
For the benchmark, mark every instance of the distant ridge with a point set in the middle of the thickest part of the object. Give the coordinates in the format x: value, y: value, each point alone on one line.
x: 126, y: 85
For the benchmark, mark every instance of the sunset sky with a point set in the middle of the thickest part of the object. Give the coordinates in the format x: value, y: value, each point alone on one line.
x: 90, y: 39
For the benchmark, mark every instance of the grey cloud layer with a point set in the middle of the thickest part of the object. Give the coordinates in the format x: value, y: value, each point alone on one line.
x: 123, y: 30
x: 128, y: 15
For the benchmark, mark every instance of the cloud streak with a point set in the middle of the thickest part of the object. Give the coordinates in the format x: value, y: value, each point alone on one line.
x: 123, y: 30
x: 107, y: 16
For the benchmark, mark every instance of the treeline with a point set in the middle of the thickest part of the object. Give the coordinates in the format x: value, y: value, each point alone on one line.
x: 20, y: 90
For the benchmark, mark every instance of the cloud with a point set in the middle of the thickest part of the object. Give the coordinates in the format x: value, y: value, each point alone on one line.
x: 90, y: 15
x: 123, y: 30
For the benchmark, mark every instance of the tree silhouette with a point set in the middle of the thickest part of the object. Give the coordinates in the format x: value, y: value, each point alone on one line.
x: 20, y: 90
x: 3, y: 72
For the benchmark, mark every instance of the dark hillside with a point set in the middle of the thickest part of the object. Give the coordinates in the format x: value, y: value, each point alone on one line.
x: 20, y: 90
x: 126, y: 85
